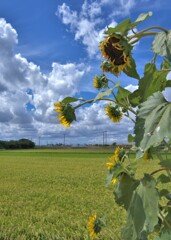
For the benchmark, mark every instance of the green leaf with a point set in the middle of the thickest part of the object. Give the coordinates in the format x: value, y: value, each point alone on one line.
x: 168, y: 83
x: 70, y: 100
x: 165, y: 163
x: 165, y: 64
x: 134, y: 98
x: 162, y: 44
x: 163, y: 179
x: 142, y: 17
x: 124, y: 190
x: 103, y: 94
x: 114, y: 173
x: 131, y: 70
x: 131, y: 138
x: 163, y: 192
x: 122, y: 95
x: 164, y: 236
x: 106, y: 93
x: 143, y: 210
x: 156, y: 112
x: 152, y: 81
x: 122, y: 28
x: 139, y: 130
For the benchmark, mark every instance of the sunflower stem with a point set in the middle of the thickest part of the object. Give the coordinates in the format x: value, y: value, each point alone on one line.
x: 111, y: 81
x: 104, y: 99
x: 138, y: 37
x: 147, y: 29
x: 154, y: 27
x: 128, y: 116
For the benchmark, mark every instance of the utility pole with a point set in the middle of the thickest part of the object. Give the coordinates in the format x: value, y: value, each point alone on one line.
x: 39, y: 141
x: 64, y: 139
x: 104, y: 135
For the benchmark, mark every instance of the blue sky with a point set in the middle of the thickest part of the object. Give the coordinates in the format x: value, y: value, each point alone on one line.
x: 49, y: 49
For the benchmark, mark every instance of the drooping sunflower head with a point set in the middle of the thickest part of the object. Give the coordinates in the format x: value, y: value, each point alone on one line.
x: 65, y: 112
x: 113, y: 113
x: 100, y: 82
x: 113, y: 49
x: 94, y: 226
x: 113, y: 159
x: 111, y: 163
x: 116, y: 153
x: 114, y: 181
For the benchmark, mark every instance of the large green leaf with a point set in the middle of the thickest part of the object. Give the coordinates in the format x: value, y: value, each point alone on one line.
x: 166, y: 163
x: 165, y: 64
x: 134, y: 98
x: 139, y: 130
x: 131, y: 70
x: 103, y: 94
x: 163, y: 179
x: 122, y: 27
x: 114, y: 173
x: 164, y: 236
x: 107, y: 92
x: 124, y: 190
x: 70, y: 100
x: 122, y: 95
x: 127, y: 25
x: 162, y: 44
x: 156, y: 112
x: 168, y: 83
x: 131, y: 138
x: 142, y: 17
x: 143, y: 211
x: 152, y: 81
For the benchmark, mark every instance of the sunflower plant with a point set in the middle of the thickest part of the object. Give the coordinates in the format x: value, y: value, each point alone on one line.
x: 148, y: 207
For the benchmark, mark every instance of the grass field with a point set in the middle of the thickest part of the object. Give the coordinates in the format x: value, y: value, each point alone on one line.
x: 49, y: 194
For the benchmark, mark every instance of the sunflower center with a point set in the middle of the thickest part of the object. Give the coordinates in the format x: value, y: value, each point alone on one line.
x: 115, y: 51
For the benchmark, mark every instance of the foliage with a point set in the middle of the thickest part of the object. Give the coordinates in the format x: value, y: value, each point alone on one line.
x: 14, y: 144
x: 150, y: 113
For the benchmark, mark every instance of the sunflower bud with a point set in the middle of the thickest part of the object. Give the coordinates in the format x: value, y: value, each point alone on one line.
x: 100, y: 82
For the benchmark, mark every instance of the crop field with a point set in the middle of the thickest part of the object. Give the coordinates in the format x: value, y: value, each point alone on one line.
x: 49, y: 194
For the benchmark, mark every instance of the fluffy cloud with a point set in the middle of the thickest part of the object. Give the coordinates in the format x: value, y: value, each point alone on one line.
x: 27, y: 100
x: 86, y: 24
x: 22, y: 85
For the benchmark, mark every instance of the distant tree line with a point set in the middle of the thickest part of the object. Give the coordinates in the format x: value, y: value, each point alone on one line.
x: 19, y: 144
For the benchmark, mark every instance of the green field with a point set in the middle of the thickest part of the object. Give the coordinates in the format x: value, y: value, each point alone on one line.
x: 49, y: 194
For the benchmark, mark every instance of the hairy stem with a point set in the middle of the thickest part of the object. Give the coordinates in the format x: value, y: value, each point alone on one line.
x: 104, y: 99
x: 164, y: 220
x: 147, y: 29
x: 158, y: 170
x: 139, y: 36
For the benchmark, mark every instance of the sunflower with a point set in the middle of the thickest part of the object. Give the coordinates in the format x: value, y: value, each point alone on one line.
x: 100, y: 82
x: 114, y: 180
x: 111, y: 163
x: 112, y: 48
x: 113, y: 159
x: 97, y: 83
x: 94, y: 226
x: 65, y: 112
x: 117, y: 153
x: 113, y: 113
